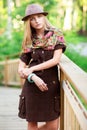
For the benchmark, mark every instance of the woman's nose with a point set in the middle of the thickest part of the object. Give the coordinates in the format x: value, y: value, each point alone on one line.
x: 36, y: 20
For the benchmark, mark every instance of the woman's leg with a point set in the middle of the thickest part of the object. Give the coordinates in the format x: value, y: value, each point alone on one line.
x: 32, y: 126
x: 50, y: 125
x: 53, y: 125
x: 43, y: 127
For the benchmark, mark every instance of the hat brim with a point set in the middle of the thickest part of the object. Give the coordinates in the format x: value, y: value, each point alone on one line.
x: 25, y: 18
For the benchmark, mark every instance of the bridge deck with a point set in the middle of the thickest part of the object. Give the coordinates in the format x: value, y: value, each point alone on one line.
x: 9, y: 119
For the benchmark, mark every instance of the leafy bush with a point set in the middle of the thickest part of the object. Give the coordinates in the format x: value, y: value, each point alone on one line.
x: 74, y: 39
x: 10, y: 46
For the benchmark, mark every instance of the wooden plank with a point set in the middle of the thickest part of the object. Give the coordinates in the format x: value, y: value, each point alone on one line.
x: 6, y: 73
x: 62, y: 102
x: 77, y: 126
x: 75, y: 106
x: 65, y: 112
x: 68, y: 116
x: 73, y: 119
x: 9, y: 61
x: 9, y: 119
x: 10, y: 72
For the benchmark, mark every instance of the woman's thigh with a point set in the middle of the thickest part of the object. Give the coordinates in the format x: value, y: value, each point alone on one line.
x: 32, y: 126
x: 53, y: 125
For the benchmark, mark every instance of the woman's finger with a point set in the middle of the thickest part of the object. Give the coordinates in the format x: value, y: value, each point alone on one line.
x: 41, y: 88
x: 44, y: 86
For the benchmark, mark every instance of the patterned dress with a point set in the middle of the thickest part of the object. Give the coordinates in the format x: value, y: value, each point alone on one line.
x: 35, y: 105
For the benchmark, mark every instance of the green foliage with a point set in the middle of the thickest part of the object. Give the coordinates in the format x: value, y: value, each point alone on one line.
x: 13, y: 46
x: 3, y: 20
x: 10, y: 46
x: 74, y: 38
x: 81, y: 61
x: 19, y: 11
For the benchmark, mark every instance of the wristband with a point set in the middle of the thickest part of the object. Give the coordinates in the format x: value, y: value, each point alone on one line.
x: 29, y: 77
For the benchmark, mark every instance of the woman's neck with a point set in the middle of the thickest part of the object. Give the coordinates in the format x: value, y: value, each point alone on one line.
x: 40, y: 33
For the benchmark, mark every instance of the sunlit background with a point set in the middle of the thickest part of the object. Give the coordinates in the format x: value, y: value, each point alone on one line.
x: 68, y: 15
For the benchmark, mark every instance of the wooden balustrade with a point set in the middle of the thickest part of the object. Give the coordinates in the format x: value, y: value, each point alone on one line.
x: 73, y: 80
x: 10, y: 73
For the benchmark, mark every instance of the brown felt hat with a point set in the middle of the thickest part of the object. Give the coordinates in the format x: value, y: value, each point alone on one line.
x: 33, y: 9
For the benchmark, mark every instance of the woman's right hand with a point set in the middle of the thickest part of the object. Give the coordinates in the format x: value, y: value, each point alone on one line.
x: 20, y: 72
x: 39, y: 83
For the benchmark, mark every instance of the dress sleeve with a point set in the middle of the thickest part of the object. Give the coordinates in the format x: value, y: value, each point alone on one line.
x: 25, y: 57
x: 60, y: 46
x: 60, y: 42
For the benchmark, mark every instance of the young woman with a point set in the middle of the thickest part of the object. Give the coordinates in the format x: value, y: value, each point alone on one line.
x: 42, y: 49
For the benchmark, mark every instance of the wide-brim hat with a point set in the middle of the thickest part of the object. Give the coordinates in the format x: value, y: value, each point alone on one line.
x: 33, y: 9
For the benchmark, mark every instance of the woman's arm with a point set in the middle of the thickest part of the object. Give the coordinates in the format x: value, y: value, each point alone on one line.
x: 45, y: 65
x: 21, y: 67
x: 50, y: 63
x: 38, y: 81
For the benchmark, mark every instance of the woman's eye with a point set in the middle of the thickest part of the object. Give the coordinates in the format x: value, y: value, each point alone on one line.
x: 34, y: 18
x: 31, y: 19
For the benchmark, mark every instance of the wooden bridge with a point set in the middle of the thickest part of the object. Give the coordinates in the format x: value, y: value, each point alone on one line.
x: 8, y: 110
x: 73, y: 96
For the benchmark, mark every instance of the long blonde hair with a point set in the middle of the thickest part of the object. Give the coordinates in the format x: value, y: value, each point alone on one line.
x: 27, y: 41
x: 27, y: 34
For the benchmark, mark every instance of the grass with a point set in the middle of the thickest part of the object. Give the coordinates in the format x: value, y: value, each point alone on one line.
x: 74, y: 38
x: 80, y: 60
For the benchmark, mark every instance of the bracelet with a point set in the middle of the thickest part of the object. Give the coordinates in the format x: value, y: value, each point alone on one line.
x: 29, y: 77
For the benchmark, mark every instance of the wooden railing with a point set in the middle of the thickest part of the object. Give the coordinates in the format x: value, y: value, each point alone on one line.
x: 73, y: 80
x: 10, y: 73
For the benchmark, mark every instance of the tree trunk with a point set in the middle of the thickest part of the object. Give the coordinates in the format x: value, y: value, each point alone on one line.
x: 17, y: 3
x: 68, y: 15
x: 4, y: 3
x: 84, y: 24
x: 74, y: 16
x: 9, y: 21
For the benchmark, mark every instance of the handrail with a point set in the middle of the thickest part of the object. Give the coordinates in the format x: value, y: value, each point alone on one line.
x: 72, y: 79
x: 75, y: 75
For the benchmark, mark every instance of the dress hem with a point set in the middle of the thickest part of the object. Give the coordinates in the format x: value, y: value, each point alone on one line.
x: 44, y: 119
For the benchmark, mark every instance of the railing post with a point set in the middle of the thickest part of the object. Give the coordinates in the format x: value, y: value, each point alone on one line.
x: 6, y: 72
x: 62, y: 101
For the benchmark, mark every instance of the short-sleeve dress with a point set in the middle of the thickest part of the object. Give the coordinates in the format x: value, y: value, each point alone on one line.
x: 35, y: 105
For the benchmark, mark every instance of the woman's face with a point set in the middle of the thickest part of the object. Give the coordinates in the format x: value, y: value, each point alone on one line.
x: 37, y: 21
